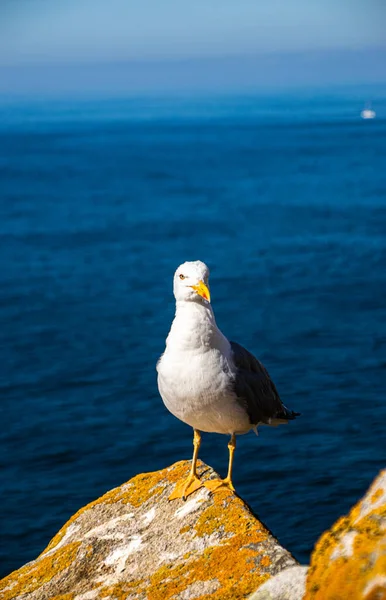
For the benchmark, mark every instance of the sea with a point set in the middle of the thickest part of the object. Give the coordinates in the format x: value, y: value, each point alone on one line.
x: 283, y: 195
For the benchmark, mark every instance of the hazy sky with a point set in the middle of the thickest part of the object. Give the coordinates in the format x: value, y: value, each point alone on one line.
x: 49, y: 31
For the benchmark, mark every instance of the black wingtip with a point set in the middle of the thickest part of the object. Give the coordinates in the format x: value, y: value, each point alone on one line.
x: 290, y: 415
x: 293, y: 415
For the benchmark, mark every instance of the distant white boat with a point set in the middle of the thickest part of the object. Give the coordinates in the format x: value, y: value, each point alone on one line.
x: 368, y: 113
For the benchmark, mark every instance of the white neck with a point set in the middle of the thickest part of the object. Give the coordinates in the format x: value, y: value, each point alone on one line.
x: 194, y: 328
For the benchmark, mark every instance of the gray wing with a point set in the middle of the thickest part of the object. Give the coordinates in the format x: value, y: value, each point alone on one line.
x: 256, y: 391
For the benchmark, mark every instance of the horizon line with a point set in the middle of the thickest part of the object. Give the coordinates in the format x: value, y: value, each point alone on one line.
x: 173, y: 60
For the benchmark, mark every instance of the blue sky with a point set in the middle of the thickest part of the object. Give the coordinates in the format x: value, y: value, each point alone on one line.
x: 50, y: 31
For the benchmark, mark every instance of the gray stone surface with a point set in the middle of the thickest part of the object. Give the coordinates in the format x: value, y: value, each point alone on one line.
x: 289, y: 584
x: 349, y: 560
x: 135, y: 544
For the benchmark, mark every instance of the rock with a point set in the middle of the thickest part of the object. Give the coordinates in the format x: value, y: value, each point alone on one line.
x: 132, y: 543
x: 349, y: 561
x: 289, y: 584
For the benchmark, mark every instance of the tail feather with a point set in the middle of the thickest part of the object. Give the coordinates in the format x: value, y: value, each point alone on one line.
x: 287, y: 414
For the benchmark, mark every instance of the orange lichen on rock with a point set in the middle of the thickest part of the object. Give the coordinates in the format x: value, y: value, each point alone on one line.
x: 137, y: 491
x: 227, y: 511
x: 185, y: 529
x: 239, y: 563
x: 29, y: 580
x: 121, y: 591
x: 179, y: 471
x: 377, y: 494
x: 233, y: 562
x: 135, y: 543
x: 235, y: 574
x: 265, y: 561
x: 349, y: 561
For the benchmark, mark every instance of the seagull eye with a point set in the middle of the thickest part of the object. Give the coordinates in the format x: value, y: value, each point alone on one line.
x: 182, y: 276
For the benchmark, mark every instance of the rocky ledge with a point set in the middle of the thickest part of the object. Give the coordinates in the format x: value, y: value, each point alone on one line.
x: 133, y: 543
x: 349, y: 560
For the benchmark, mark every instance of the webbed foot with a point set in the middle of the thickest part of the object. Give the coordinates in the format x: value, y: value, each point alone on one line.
x: 215, y: 484
x: 186, y: 487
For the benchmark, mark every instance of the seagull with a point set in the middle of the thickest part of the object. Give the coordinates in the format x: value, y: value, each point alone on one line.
x: 208, y: 382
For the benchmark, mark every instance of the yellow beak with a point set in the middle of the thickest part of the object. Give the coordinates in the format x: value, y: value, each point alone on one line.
x: 202, y: 290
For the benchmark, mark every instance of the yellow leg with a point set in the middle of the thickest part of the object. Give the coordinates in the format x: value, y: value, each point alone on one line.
x: 192, y: 483
x: 214, y: 485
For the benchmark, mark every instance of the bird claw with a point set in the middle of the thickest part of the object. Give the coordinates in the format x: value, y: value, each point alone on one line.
x: 185, y: 488
x: 215, y: 484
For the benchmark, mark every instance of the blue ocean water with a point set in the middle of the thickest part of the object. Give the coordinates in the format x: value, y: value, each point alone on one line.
x: 285, y: 198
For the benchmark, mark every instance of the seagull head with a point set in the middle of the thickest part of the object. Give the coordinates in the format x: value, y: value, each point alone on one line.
x: 191, y: 282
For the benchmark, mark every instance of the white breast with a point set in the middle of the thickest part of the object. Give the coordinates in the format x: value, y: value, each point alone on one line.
x: 196, y: 388
x: 196, y: 372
